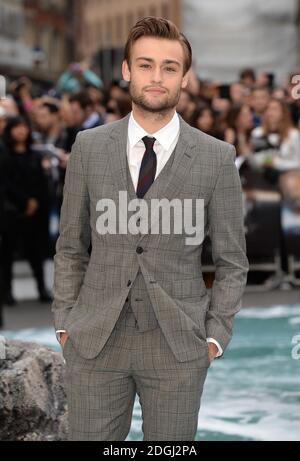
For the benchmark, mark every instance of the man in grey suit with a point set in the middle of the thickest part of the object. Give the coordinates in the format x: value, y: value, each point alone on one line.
x: 131, y: 309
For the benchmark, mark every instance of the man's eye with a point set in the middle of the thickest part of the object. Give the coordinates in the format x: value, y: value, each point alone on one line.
x: 169, y: 69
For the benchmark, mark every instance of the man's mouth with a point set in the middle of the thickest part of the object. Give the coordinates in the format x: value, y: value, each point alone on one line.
x: 155, y: 90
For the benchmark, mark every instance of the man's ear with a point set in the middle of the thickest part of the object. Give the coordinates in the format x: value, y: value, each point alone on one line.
x: 125, y: 71
x: 185, y: 79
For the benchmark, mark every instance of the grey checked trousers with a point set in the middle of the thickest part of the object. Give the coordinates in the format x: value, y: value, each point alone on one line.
x: 101, y: 391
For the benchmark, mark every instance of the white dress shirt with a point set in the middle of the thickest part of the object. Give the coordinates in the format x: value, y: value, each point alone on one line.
x: 165, y: 141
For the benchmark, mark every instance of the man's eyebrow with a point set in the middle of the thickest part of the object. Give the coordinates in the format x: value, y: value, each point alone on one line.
x: 165, y: 61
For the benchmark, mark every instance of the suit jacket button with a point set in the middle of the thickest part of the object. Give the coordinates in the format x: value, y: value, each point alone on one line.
x: 139, y: 250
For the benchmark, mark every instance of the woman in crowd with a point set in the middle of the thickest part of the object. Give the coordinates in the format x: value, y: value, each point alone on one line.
x: 238, y: 126
x: 204, y: 119
x: 278, y: 135
x: 25, y: 206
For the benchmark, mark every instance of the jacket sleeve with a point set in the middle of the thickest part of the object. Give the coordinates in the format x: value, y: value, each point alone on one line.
x: 226, y: 230
x: 72, y: 247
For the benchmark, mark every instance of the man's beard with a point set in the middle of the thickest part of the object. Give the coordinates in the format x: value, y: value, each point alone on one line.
x: 154, y: 106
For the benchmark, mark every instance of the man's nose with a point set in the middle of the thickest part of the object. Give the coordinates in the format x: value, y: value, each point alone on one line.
x: 157, y: 75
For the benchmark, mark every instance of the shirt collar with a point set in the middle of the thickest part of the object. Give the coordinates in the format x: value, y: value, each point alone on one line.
x: 165, y: 136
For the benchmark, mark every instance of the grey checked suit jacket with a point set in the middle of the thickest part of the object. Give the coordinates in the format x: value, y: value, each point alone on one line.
x: 90, y: 288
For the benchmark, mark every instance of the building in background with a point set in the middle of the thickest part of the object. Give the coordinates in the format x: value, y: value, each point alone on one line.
x: 102, y: 26
x: 35, y: 38
x: 14, y: 52
x: 49, y: 33
x: 39, y: 38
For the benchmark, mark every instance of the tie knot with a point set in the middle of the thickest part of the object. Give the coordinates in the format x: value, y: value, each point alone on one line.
x: 149, y: 142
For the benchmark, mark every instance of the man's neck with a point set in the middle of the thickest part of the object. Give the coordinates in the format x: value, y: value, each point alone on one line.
x: 152, y: 122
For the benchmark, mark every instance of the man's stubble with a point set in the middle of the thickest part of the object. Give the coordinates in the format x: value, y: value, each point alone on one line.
x: 159, y: 107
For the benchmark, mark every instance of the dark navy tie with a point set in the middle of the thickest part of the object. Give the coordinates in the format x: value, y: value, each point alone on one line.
x: 148, y: 167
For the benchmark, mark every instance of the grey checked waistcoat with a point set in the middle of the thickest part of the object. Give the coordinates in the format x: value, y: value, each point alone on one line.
x: 139, y: 300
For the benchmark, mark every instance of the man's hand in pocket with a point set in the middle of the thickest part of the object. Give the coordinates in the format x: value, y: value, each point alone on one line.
x: 212, y: 351
x: 63, y: 338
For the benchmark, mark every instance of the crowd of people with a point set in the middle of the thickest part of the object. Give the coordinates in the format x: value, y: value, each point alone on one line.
x: 38, y: 128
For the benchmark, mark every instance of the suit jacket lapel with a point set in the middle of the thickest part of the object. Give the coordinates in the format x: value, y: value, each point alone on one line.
x: 184, y: 155
x: 117, y: 147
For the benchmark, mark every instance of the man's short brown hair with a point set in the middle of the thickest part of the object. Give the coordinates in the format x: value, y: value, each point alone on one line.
x: 152, y: 26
